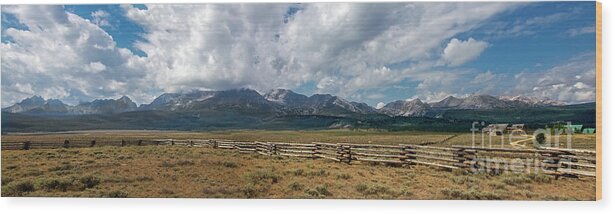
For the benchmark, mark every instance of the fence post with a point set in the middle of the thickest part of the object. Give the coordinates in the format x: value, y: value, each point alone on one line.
x: 402, y: 153
x: 172, y: 142
x: 93, y: 143
x: 26, y: 145
x: 215, y: 144
x: 349, y: 152
x: 66, y: 144
x: 460, y: 156
x: 340, y: 152
x: 191, y: 143
x: 139, y: 142
x: 409, y: 152
x: 123, y: 143
x: 315, y: 150
x: 551, y: 162
x: 273, y: 149
x: 343, y: 152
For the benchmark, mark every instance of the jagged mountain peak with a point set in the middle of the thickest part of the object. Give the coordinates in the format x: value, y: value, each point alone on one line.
x: 33, y: 99
x: 414, y: 101
x: 36, y: 104
x: 533, y: 101
x: 406, y: 108
x: 279, y: 102
x: 284, y: 96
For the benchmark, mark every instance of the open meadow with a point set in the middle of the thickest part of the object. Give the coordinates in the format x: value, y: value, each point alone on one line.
x: 205, y: 172
x: 579, y: 141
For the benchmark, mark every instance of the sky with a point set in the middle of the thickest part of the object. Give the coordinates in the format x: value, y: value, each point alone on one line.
x: 373, y: 53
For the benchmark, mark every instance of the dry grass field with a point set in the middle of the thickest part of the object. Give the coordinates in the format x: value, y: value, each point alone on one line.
x: 579, y: 141
x: 179, y: 171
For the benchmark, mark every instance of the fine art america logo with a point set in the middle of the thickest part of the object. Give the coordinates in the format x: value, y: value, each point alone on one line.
x: 498, y: 148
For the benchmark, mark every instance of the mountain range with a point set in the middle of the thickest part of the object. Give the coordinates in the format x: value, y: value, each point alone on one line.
x: 278, y: 102
x: 285, y: 109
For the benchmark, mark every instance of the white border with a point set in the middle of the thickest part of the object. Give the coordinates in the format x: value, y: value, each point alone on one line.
x: 107, y: 206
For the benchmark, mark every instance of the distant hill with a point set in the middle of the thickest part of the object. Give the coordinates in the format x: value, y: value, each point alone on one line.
x: 285, y: 109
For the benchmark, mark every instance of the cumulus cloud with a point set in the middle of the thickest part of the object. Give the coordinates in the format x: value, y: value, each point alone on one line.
x: 571, y: 82
x: 340, y: 48
x: 61, y: 55
x: 458, y: 52
x: 101, y: 18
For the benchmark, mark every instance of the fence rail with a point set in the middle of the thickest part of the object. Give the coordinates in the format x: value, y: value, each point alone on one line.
x: 554, y: 161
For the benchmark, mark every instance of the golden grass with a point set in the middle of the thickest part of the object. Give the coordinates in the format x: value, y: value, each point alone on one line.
x: 579, y: 141
x: 330, y: 136
x: 176, y: 171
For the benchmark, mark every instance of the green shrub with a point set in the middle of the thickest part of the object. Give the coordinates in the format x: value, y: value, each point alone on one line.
x: 6, y: 180
x: 267, y: 176
x: 54, y: 184
x: 32, y: 172
x: 361, y: 188
x: 323, y: 190
x: 89, y: 181
x: 295, y: 186
x: 319, y: 192
x: 185, y: 163
x: 298, y: 172
x: 249, y: 190
x: 165, y: 191
x: 470, y: 194
x: 116, y: 194
x: 372, y: 189
x: 320, y: 173
x: 540, y: 139
x: 228, y: 164
x: 497, y: 185
x: 540, y: 178
x: 63, y: 167
x: 144, y: 178
x: 166, y: 164
x: 19, y: 188
x: 515, y: 179
x: 344, y: 176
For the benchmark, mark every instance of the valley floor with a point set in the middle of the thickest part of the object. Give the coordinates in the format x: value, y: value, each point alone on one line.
x: 179, y: 171
x: 579, y: 141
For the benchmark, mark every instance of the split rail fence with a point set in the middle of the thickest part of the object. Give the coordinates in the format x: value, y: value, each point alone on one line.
x: 553, y: 161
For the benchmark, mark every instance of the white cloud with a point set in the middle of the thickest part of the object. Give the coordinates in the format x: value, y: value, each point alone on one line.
x: 344, y: 49
x: 572, y: 82
x: 458, y: 52
x: 583, y: 30
x: 341, y: 48
x: 61, y: 55
x: 100, y: 18
x: 529, y: 26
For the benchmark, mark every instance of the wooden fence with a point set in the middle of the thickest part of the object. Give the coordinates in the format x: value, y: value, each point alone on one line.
x: 554, y: 161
